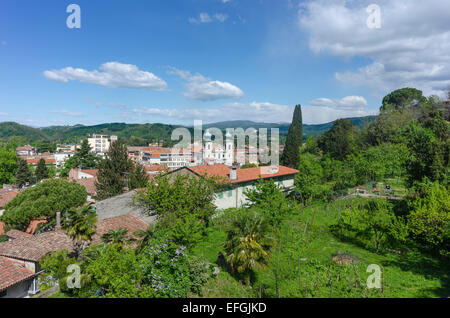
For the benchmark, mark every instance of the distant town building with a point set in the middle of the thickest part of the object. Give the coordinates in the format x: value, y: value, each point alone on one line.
x: 100, y: 143
x: 26, y: 151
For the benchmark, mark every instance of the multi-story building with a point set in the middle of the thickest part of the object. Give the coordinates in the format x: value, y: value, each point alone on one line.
x: 100, y: 143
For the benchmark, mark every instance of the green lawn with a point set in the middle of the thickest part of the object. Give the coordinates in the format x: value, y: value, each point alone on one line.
x: 302, y: 262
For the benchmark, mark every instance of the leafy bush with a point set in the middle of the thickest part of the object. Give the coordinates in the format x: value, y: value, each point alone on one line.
x: 199, y: 273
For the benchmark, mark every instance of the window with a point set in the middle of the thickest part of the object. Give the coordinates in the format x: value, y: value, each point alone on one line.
x: 3, y: 293
x: 230, y: 193
x: 221, y: 195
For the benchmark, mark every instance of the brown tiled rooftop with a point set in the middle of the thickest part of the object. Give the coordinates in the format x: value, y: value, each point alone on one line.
x: 35, y: 247
x: 12, y: 272
x: 243, y: 175
x: 16, y: 234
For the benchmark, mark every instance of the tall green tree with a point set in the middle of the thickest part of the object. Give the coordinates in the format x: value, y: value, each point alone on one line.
x: 83, y: 159
x: 115, y: 172
x: 43, y: 200
x: 23, y: 174
x: 8, y: 165
x: 340, y: 140
x: 294, y: 139
x: 139, y: 177
x: 403, y: 98
x: 41, y: 172
x: 81, y: 227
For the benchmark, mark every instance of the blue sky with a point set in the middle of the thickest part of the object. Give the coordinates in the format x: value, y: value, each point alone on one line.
x: 214, y: 60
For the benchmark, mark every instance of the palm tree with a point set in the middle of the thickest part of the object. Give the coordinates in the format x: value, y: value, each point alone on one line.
x: 118, y: 237
x: 248, y: 243
x: 145, y: 236
x: 81, y: 226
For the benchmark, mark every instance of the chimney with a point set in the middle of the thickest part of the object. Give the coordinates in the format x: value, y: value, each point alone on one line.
x: 233, y: 173
x: 58, y: 221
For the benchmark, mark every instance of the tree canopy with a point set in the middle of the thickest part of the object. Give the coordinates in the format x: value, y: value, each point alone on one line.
x: 43, y: 200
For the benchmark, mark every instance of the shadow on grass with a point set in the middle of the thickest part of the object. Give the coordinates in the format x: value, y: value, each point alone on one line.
x: 431, y: 267
x: 418, y: 261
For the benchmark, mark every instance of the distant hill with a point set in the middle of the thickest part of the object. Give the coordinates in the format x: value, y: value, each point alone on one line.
x: 9, y: 129
x: 142, y: 134
x: 146, y: 132
x: 308, y: 129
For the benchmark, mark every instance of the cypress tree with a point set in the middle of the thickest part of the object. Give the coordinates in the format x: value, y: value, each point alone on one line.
x: 114, y: 172
x: 294, y: 140
x: 41, y: 171
x: 139, y: 177
x: 23, y: 174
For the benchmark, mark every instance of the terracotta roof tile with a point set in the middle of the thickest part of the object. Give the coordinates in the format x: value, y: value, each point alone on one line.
x: 37, y: 246
x: 31, y: 229
x: 2, y: 228
x: 5, y: 197
x: 92, y: 172
x: 127, y: 221
x: 243, y: 175
x: 88, y: 184
x: 15, y: 234
x: 12, y: 272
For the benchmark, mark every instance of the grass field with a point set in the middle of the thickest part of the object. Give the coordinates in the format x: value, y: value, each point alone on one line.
x: 301, y: 264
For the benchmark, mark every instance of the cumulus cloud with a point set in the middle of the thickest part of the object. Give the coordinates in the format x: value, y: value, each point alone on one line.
x: 199, y: 87
x: 321, y: 110
x: 204, y: 17
x: 111, y: 74
x: 410, y: 49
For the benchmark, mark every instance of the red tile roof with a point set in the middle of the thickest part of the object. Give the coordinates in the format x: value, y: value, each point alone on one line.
x: 243, y: 175
x: 92, y: 172
x: 15, y: 234
x: 34, y: 247
x: 31, y: 229
x: 36, y: 161
x: 5, y: 197
x: 127, y: 221
x: 155, y: 167
x: 26, y: 148
x: 37, y: 246
x: 2, y: 228
x: 88, y: 184
x: 12, y: 272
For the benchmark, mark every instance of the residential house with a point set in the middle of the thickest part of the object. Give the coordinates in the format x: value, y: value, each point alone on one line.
x: 19, y: 257
x: 87, y: 178
x: 241, y: 179
x: 26, y: 150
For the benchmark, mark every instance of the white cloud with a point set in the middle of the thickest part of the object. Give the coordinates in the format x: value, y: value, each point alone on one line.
x: 204, y: 89
x: 220, y: 17
x: 410, y: 49
x: 206, y: 18
x: 67, y: 113
x: 111, y: 74
x: 321, y: 110
x: 3, y: 114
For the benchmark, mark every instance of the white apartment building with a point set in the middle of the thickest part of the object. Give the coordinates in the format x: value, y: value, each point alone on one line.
x: 100, y: 143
